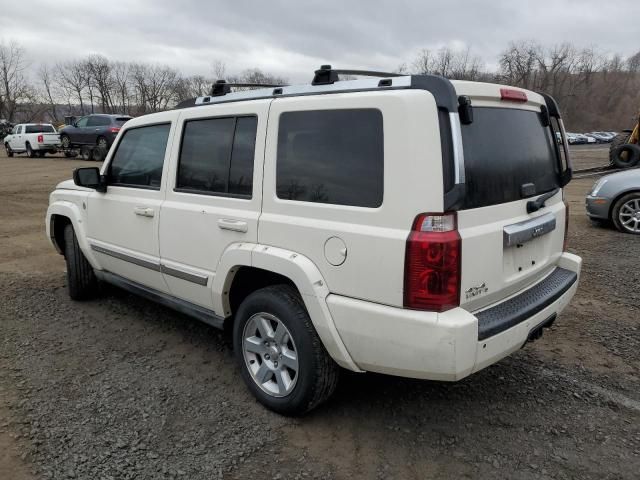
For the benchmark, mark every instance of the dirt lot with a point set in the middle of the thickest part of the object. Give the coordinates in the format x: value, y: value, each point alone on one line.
x: 120, y: 388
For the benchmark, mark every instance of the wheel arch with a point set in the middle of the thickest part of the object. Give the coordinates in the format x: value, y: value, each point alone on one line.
x: 618, y: 197
x: 59, y: 215
x: 263, y: 265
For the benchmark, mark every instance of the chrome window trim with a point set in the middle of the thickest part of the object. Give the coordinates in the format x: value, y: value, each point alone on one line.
x: 458, y: 153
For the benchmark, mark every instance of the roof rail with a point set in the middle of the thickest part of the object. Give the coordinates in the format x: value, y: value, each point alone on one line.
x: 222, y: 87
x: 327, y: 75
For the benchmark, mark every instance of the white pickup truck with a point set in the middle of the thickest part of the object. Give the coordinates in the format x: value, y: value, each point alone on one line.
x: 34, y: 139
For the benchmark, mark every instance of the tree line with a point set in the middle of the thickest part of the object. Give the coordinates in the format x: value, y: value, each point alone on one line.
x: 595, y: 91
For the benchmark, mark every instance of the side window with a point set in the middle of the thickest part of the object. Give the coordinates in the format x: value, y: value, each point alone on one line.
x: 242, y: 156
x: 216, y: 156
x: 82, y: 122
x: 331, y: 156
x: 98, y: 121
x: 139, y: 157
x: 17, y: 130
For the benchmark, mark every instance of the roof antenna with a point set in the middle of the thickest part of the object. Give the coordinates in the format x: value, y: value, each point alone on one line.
x: 325, y: 76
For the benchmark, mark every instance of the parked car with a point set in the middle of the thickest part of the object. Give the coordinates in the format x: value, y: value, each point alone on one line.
x: 616, y: 198
x: 93, y: 130
x: 600, y: 137
x: 34, y: 139
x: 297, y: 218
x: 576, y: 139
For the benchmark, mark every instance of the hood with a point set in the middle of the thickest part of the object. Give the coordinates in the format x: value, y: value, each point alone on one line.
x: 70, y: 185
x: 630, y: 175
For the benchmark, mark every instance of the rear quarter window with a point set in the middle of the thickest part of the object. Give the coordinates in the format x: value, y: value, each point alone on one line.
x: 331, y: 156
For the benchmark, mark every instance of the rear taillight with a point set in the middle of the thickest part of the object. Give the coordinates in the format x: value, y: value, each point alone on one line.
x: 432, y: 263
x: 40, y: 138
x: 114, y: 129
x: 513, y: 95
x: 566, y: 226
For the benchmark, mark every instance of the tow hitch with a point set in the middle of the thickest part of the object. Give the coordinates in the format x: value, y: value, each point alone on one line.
x: 536, y: 332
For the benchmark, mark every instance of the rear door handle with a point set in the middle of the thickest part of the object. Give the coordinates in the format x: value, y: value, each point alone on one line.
x: 144, y: 211
x: 233, y: 225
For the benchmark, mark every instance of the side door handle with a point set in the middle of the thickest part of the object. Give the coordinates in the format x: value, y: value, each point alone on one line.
x: 144, y: 211
x: 233, y: 225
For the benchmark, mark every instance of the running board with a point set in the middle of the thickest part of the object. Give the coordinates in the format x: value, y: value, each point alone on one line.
x: 200, y: 313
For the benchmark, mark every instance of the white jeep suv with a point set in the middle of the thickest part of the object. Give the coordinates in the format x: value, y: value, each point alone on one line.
x: 408, y: 225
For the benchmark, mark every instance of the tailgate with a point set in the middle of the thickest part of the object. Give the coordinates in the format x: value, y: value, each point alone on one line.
x: 50, y: 139
x: 505, y: 250
x: 511, y: 160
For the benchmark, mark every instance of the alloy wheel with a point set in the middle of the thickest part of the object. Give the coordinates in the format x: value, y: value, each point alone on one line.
x: 629, y: 215
x: 270, y: 354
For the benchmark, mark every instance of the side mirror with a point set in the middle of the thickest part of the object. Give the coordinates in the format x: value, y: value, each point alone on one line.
x: 89, y: 177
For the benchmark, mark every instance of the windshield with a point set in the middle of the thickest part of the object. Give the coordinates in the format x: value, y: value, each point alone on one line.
x: 504, y: 149
x: 40, y: 129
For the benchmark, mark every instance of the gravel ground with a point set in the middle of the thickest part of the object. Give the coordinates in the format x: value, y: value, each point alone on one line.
x: 120, y: 388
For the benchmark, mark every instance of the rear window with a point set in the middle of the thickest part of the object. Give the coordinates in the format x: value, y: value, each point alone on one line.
x: 505, y: 149
x: 39, y: 129
x: 121, y: 120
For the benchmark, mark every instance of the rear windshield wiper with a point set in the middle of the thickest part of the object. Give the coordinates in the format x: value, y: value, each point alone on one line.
x: 538, y: 203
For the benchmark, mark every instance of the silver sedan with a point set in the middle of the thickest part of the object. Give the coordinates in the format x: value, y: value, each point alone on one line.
x: 616, y: 198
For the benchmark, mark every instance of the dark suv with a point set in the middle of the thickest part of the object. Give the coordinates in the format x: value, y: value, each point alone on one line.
x: 97, y: 130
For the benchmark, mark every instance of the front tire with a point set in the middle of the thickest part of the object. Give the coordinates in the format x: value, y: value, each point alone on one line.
x: 282, y: 360
x: 626, y: 213
x: 8, y: 149
x: 81, y: 279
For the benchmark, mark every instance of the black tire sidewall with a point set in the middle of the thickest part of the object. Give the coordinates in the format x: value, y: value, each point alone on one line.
x: 8, y: 150
x: 615, y: 212
x: 281, y: 305
x: 30, y: 151
x: 633, y: 153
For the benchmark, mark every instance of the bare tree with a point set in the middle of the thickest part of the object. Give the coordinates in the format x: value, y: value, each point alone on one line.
x: 122, y: 87
x: 46, y: 91
x: 448, y: 62
x: 14, y: 87
x: 100, y: 79
x: 72, y: 80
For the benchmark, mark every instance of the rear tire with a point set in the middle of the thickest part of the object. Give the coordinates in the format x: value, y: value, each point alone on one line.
x: 8, y: 149
x: 617, y: 141
x: 258, y: 351
x: 86, y: 153
x: 625, y: 214
x: 30, y: 152
x: 65, y: 141
x: 81, y: 279
x: 98, y: 154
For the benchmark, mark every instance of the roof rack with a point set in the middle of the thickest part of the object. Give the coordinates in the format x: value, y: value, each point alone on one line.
x: 327, y: 75
x: 222, y: 87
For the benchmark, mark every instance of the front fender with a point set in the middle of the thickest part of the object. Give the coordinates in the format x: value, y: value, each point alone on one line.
x: 70, y: 210
x: 305, y: 276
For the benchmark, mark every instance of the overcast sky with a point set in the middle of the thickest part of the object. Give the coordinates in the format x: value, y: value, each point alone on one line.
x: 292, y: 38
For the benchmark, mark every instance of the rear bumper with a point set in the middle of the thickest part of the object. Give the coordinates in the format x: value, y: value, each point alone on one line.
x: 450, y: 345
